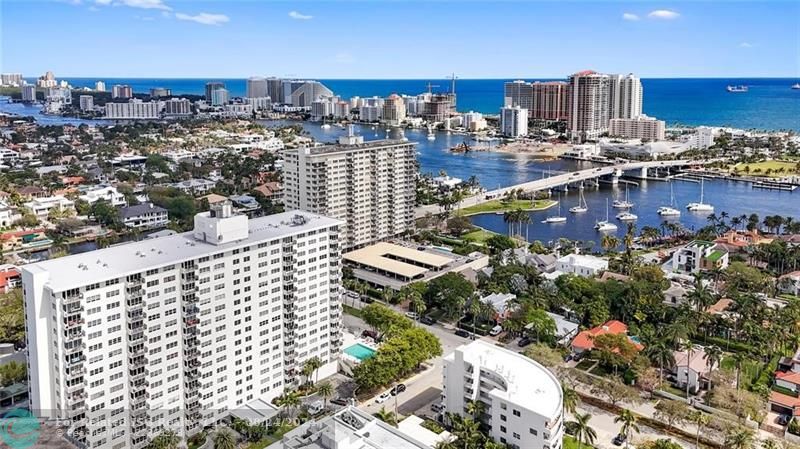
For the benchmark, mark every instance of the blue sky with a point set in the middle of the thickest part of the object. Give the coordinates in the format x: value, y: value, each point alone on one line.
x: 398, y: 39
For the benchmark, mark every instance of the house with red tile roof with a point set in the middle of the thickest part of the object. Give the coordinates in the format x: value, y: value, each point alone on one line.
x: 10, y: 278
x: 584, y: 341
x: 785, y: 395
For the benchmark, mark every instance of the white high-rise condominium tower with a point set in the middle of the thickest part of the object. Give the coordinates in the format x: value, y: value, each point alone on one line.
x: 179, y: 331
x: 256, y: 87
x: 514, y: 121
x: 369, y: 185
x: 522, y: 399
x: 588, y: 105
x: 625, y: 96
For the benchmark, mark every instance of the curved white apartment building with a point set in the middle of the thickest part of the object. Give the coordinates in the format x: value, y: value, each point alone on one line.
x: 522, y: 399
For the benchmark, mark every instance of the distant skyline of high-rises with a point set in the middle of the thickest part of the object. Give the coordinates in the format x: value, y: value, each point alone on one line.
x: 170, y: 39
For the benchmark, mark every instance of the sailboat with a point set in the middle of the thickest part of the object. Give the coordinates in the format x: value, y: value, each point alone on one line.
x: 627, y: 216
x: 671, y: 210
x: 622, y: 204
x: 582, y: 206
x: 701, y: 206
x: 605, y: 225
x: 556, y: 218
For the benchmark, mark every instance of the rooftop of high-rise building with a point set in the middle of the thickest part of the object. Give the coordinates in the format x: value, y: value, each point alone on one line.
x: 116, y: 261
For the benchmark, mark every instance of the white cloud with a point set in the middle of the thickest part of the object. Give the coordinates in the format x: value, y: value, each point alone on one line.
x: 204, y: 18
x: 746, y: 45
x: 297, y: 16
x: 630, y: 16
x: 103, y: 2
x: 664, y: 14
x: 145, y: 4
x: 94, y: 9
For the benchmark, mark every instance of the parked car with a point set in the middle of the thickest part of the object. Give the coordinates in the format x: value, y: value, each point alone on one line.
x: 412, y: 315
x: 619, y: 440
x: 339, y: 401
x: 524, y: 341
x: 437, y: 407
x: 383, y: 397
x: 783, y: 420
x: 399, y: 388
x: 371, y: 334
x: 568, y: 357
x: 462, y: 333
x: 496, y: 330
x: 427, y: 320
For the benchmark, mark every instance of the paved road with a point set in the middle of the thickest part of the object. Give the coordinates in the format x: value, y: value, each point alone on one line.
x: 418, y: 389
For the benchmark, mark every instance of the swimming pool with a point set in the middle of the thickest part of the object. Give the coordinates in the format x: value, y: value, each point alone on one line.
x: 359, y: 351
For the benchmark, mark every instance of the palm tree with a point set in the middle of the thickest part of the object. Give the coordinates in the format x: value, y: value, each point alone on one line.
x: 168, y: 439
x: 689, y: 347
x: 581, y: 429
x: 474, y: 310
x: 386, y: 416
x: 310, y: 366
x: 417, y: 304
x: 628, y: 420
x: 325, y: 390
x: 466, y: 430
x: 224, y: 439
x: 740, y: 438
x: 700, y: 420
x: 570, y: 398
x: 475, y: 409
x: 290, y: 401
x: 713, y: 357
x: 609, y: 242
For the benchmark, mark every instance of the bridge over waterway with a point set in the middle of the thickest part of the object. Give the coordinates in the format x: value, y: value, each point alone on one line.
x: 614, y: 172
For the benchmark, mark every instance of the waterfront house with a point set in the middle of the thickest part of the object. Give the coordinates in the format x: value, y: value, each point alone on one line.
x: 584, y: 341
x: 697, y: 256
x: 107, y: 193
x: 41, y: 207
x: 581, y: 265
x: 737, y: 241
x: 144, y: 216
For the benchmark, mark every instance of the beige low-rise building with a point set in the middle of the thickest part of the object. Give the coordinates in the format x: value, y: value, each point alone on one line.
x: 641, y: 127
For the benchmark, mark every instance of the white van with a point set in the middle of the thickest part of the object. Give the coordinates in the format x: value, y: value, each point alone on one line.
x: 496, y: 330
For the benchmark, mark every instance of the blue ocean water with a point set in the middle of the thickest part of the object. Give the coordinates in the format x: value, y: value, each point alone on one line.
x: 770, y: 104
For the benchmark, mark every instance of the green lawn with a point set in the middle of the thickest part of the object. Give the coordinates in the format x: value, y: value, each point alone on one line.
x: 572, y: 443
x: 351, y: 310
x: 760, y: 168
x: 502, y: 206
x: 478, y: 236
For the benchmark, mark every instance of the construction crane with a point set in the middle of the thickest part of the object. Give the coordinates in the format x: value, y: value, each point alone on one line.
x: 453, y: 79
x: 431, y: 86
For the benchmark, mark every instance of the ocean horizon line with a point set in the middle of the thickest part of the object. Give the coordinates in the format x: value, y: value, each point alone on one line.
x: 83, y: 77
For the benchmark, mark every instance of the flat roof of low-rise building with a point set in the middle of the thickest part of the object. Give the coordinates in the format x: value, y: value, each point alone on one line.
x: 397, y: 259
x: 528, y: 384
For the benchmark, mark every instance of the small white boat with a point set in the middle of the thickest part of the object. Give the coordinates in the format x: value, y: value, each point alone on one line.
x: 622, y: 204
x: 605, y: 225
x: 627, y: 216
x: 325, y: 126
x: 796, y: 86
x: 431, y: 136
x: 701, y: 206
x: 671, y: 210
x: 737, y: 89
x: 582, y: 206
x: 666, y: 211
x: 556, y: 218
